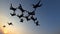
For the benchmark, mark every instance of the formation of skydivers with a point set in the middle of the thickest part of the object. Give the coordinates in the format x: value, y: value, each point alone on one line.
x: 35, y: 6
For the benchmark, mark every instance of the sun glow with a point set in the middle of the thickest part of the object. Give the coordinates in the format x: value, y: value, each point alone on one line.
x: 5, y: 32
x: 3, y: 20
x: 9, y: 29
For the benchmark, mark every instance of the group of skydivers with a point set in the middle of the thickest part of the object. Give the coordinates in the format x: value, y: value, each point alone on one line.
x: 30, y: 14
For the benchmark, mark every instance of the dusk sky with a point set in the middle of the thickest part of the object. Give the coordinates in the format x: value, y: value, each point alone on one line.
x: 48, y: 16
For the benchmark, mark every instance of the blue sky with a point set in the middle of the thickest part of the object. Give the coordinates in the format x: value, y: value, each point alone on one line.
x: 48, y: 16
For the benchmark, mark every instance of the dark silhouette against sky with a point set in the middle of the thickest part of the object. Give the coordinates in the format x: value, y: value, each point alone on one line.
x: 48, y: 15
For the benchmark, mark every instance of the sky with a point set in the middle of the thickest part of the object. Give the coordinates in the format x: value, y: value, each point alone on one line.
x: 48, y: 16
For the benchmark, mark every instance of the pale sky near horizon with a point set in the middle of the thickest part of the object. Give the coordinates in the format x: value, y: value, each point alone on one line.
x: 48, y: 16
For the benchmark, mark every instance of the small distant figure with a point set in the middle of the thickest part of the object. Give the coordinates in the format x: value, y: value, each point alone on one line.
x: 12, y: 8
x: 37, y: 23
x: 10, y: 23
x: 37, y: 5
x: 27, y: 18
x: 34, y: 19
x: 20, y: 7
x: 20, y: 16
x: 13, y: 14
x: 4, y: 26
x: 31, y: 13
x: 21, y: 20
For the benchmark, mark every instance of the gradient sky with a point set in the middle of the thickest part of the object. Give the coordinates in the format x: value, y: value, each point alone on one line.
x: 48, y: 16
